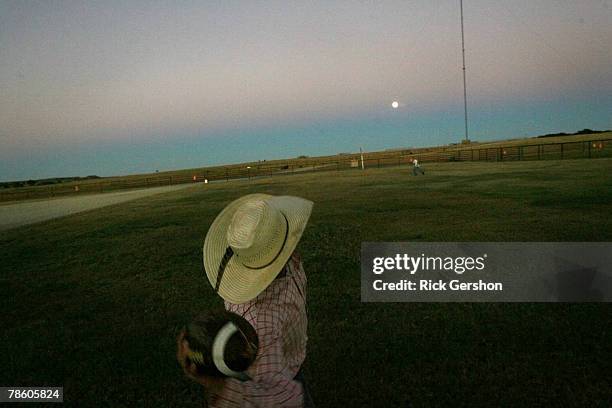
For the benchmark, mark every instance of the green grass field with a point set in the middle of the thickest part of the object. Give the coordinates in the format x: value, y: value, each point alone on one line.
x: 93, y: 301
x: 549, y: 148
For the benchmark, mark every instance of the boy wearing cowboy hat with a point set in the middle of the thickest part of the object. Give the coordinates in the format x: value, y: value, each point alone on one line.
x: 250, y: 262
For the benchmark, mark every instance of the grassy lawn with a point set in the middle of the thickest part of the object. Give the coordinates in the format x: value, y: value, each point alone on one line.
x: 575, y: 147
x: 93, y: 301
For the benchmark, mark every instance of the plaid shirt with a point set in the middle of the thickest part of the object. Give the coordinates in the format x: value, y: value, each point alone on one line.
x: 278, y: 315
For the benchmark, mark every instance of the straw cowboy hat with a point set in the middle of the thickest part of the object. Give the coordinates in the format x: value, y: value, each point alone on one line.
x: 250, y: 241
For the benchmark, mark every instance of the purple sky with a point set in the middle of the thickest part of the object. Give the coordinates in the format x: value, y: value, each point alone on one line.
x: 146, y: 84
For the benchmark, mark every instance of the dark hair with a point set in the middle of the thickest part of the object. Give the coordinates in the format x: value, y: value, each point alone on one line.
x: 240, y: 350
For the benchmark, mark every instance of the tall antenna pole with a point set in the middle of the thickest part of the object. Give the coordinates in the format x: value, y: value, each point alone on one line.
x: 464, y: 84
x: 361, y: 153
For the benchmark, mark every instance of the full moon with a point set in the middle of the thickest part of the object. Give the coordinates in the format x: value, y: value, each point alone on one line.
x: 395, y: 104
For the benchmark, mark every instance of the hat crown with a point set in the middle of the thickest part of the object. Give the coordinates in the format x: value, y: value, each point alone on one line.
x: 256, y: 233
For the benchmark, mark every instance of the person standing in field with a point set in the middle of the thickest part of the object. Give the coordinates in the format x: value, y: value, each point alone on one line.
x: 250, y: 261
x: 416, y: 168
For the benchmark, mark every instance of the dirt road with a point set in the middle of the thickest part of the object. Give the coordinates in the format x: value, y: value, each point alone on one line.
x: 29, y: 212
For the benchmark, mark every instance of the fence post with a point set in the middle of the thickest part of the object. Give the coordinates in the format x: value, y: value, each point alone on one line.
x: 590, y: 143
x: 226, y: 175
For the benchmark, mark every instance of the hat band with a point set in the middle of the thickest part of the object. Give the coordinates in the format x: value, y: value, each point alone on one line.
x: 279, y: 251
x: 224, y: 261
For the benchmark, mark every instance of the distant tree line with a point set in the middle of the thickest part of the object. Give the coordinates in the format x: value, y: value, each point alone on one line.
x: 580, y: 132
x: 44, y: 182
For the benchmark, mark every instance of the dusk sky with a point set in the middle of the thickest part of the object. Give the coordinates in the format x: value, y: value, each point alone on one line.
x: 113, y: 88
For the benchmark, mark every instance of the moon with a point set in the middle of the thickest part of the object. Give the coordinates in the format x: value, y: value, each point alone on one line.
x: 395, y: 104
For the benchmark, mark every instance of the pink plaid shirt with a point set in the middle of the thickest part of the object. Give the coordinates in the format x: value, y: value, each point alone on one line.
x: 278, y: 315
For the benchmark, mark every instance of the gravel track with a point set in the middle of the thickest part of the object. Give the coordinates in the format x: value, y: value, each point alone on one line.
x: 30, y: 212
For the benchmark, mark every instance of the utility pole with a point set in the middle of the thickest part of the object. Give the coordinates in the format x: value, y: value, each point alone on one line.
x: 361, y: 153
x: 464, y: 82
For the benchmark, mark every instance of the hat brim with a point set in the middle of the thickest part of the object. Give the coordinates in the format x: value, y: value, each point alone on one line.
x: 240, y: 283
